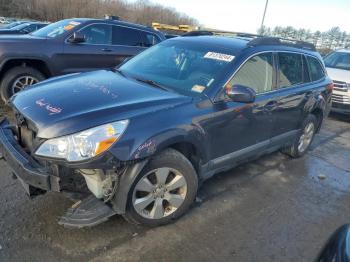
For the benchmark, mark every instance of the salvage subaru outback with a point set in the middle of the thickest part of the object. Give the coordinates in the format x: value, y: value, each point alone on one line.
x: 138, y: 140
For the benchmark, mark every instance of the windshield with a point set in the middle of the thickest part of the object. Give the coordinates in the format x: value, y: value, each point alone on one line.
x: 340, y: 60
x: 56, y: 29
x: 179, y: 66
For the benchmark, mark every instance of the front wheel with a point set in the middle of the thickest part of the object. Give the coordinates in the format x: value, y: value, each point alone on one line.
x: 163, y: 191
x: 17, y: 79
x: 304, y: 138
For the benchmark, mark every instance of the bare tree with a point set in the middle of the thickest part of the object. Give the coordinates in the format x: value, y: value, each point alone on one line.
x: 142, y: 11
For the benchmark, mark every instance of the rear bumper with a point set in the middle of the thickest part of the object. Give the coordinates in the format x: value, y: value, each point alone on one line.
x: 26, y: 169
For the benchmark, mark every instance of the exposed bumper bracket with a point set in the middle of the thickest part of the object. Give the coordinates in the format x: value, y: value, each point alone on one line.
x: 87, y: 213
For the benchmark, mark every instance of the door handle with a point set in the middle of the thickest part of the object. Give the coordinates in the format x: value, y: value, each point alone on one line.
x: 106, y: 50
x: 270, y: 105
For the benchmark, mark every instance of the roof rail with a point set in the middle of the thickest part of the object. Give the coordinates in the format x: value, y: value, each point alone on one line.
x: 281, y: 41
x: 111, y: 17
x: 218, y: 32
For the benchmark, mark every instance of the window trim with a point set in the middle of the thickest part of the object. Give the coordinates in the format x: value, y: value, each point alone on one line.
x: 275, y: 52
x: 323, y: 69
x: 217, y: 99
x: 278, y: 87
x: 101, y: 23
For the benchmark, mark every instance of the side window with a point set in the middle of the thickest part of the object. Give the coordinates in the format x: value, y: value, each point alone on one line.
x: 306, y: 75
x: 98, y: 34
x: 126, y: 36
x: 28, y: 29
x: 256, y: 73
x: 315, y: 68
x: 290, y: 69
x: 148, y: 39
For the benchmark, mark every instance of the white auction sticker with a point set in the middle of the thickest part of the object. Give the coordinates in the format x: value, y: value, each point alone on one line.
x: 219, y: 56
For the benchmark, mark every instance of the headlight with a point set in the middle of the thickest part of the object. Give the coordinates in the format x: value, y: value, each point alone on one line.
x: 85, y: 144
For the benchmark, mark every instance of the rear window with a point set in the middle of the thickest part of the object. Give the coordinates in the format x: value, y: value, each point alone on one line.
x: 315, y: 69
x: 290, y: 69
x: 126, y: 36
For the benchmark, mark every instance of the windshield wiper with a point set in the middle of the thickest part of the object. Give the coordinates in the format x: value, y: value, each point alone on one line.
x: 152, y: 83
x: 119, y: 71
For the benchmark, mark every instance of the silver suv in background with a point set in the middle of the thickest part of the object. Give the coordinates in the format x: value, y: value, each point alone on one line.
x: 338, y: 68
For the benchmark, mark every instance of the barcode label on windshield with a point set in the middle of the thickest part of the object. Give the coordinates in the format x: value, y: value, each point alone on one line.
x: 219, y: 56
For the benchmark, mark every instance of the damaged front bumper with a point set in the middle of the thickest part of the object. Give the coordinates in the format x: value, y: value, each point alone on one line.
x: 32, y: 175
x: 37, y: 178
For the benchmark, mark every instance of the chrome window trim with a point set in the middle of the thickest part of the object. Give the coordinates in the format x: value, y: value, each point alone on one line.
x: 273, y: 52
x: 100, y: 23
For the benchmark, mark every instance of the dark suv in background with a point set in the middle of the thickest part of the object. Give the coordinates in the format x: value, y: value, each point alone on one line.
x: 142, y: 137
x: 69, y: 46
x: 22, y: 29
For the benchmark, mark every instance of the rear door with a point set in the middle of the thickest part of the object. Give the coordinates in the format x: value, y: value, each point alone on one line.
x: 94, y: 53
x: 293, y: 91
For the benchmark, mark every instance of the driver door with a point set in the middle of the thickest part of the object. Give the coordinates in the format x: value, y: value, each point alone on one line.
x: 94, y: 53
x: 239, y: 130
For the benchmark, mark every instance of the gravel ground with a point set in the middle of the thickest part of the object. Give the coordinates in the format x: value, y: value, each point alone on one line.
x: 273, y: 209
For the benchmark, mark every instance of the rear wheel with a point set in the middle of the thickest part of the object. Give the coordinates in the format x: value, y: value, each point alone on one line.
x: 17, y: 79
x: 163, y: 191
x: 304, y: 138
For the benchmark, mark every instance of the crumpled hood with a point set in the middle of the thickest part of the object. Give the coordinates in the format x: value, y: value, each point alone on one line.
x: 69, y: 104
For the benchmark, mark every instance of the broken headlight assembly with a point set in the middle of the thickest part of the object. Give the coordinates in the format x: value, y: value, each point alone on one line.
x: 85, y: 144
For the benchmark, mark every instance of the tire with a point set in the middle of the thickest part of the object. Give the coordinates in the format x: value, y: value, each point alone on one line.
x: 296, y: 150
x: 179, y: 169
x: 19, y: 72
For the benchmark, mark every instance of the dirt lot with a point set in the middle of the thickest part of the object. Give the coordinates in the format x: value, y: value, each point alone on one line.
x: 274, y: 209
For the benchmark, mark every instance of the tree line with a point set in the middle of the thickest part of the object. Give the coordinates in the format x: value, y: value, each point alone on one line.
x: 331, y: 39
x: 141, y: 12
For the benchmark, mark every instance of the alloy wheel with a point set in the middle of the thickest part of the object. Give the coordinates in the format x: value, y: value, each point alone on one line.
x: 306, y: 137
x: 22, y: 82
x: 159, y: 193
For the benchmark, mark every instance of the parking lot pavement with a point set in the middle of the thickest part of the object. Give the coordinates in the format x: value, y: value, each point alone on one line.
x: 273, y: 209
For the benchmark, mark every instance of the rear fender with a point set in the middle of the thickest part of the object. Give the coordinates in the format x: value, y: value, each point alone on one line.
x: 315, y: 103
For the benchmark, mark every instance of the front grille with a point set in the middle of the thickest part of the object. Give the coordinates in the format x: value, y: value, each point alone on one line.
x: 341, y: 99
x: 340, y: 86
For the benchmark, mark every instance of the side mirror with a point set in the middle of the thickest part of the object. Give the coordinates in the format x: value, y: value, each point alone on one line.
x: 77, y: 38
x: 242, y: 94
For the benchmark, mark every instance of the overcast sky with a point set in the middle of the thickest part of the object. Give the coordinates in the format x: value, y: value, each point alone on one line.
x: 246, y: 15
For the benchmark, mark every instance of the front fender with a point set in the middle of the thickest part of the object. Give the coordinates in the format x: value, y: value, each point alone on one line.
x: 126, y: 180
x: 190, y: 134
x: 5, y: 59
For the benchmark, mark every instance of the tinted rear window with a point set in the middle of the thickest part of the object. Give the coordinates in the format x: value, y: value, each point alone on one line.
x: 290, y: 69
x: 315, y: 69
x: 126, y: 36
